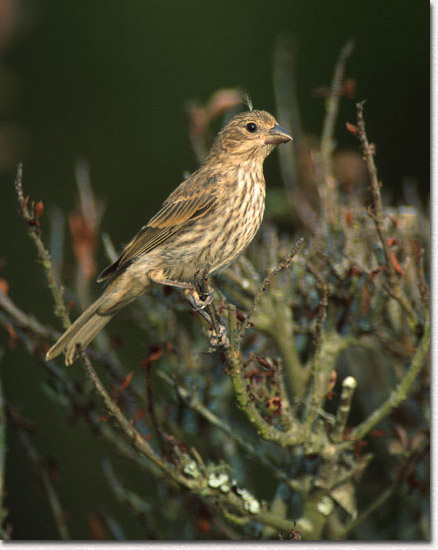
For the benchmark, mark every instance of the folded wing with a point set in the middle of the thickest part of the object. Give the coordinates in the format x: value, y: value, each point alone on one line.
x: 174, y: 215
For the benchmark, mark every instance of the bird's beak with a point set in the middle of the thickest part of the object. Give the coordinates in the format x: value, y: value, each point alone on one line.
x: 277, y: 135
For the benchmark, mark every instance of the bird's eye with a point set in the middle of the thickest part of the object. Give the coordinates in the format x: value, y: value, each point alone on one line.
x: 251, y: 127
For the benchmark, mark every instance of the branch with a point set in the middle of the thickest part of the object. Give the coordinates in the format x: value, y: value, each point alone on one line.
x: 126, y: 426
x: 190, y: 400
x: 44, y: 476
x: 401, y: 392
x: 323, y: 364
x: 332, y: 106
x: 24, y: 320
x: 378, y: 216
x: 30, y: 216
x: 348, y: 386
x: 294, y: 435
x: 401, y: 475
x: 267, y: 282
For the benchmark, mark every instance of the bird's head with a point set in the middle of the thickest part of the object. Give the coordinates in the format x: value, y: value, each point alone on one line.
x: 250, y: 135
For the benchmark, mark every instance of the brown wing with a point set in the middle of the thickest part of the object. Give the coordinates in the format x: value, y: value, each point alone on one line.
x: 173, y: 216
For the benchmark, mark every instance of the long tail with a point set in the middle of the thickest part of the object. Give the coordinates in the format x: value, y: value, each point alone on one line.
x: 82, y: 331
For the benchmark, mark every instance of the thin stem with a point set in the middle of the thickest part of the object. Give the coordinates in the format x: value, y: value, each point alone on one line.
x: 332, y: 105
x: 401, y: 392
x: 30, y: 216
x: 267, y: 282
x: 348, y: 386
x: 378, y: 216
x: 194, y: 404
x: 24, y: 320
x: 126, y: 426
x: 43, y: 473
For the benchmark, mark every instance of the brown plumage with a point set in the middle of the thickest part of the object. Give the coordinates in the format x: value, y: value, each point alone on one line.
x: 206, y: 222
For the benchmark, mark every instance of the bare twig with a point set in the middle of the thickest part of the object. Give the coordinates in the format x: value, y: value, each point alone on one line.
x: 267, y: 282
x: 138, y: 506
x: 323, y: 363
x: 44, y: 475
x: 400, y: 393
x: 191, y: 401
x: 30, y: 216
x: 126, y: 426
x: 348, y: 387
x: 287, y: 107
x: 328, y: 190
x: 25, y: 320
x: 322, y: 307
x: 378, y: 216
x: 401, y: 476
x: 332, y: 106
x: 422, y: 285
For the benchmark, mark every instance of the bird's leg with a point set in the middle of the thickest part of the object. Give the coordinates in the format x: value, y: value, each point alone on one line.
x: 203, y: 293
x: 198, y: 300
x: 218, y: 331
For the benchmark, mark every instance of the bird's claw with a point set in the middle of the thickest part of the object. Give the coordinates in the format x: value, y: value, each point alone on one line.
x: 197, y: 301
x: 218, y: 340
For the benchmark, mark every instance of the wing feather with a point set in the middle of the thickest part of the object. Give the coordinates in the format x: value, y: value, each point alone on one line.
x: 171, y: 218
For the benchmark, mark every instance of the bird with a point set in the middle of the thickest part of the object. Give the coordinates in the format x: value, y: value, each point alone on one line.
x: 204, y: 224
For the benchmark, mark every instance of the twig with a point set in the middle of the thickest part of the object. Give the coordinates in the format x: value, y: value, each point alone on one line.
x: 126, y: 426
x: 327, y: 189
x: 401, y: 476
x: 166, y: 447
x: 378, y: 216
x: 30, y: 216
x: 422, y: 285
x: 24, y: 320
x: 110, y: 249
x: 287, y: 107
x: 332, y: 106
x: 43, y: 473
x: 400, y: 393
x: 267, y: 282
x: 293, y: 436
x: 194, y: 404
x: 322, y: 306
x: 138, y: 506
x: 322, y: 365
x: 57, y: 237
x: 348, y: 387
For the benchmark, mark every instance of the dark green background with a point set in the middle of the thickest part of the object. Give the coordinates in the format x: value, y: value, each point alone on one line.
x: 108, y: 81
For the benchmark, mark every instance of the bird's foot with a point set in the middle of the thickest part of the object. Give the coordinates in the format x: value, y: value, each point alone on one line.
x: 218, y: 339
x: 197, y: 300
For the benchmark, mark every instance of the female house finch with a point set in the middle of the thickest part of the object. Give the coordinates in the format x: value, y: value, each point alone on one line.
x: 205, y: 223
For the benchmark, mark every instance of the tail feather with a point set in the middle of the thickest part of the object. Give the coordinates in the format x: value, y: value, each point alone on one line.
x: 82, y: 331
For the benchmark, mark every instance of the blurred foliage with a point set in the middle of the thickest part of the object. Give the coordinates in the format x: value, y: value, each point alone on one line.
x: 324, y: 344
